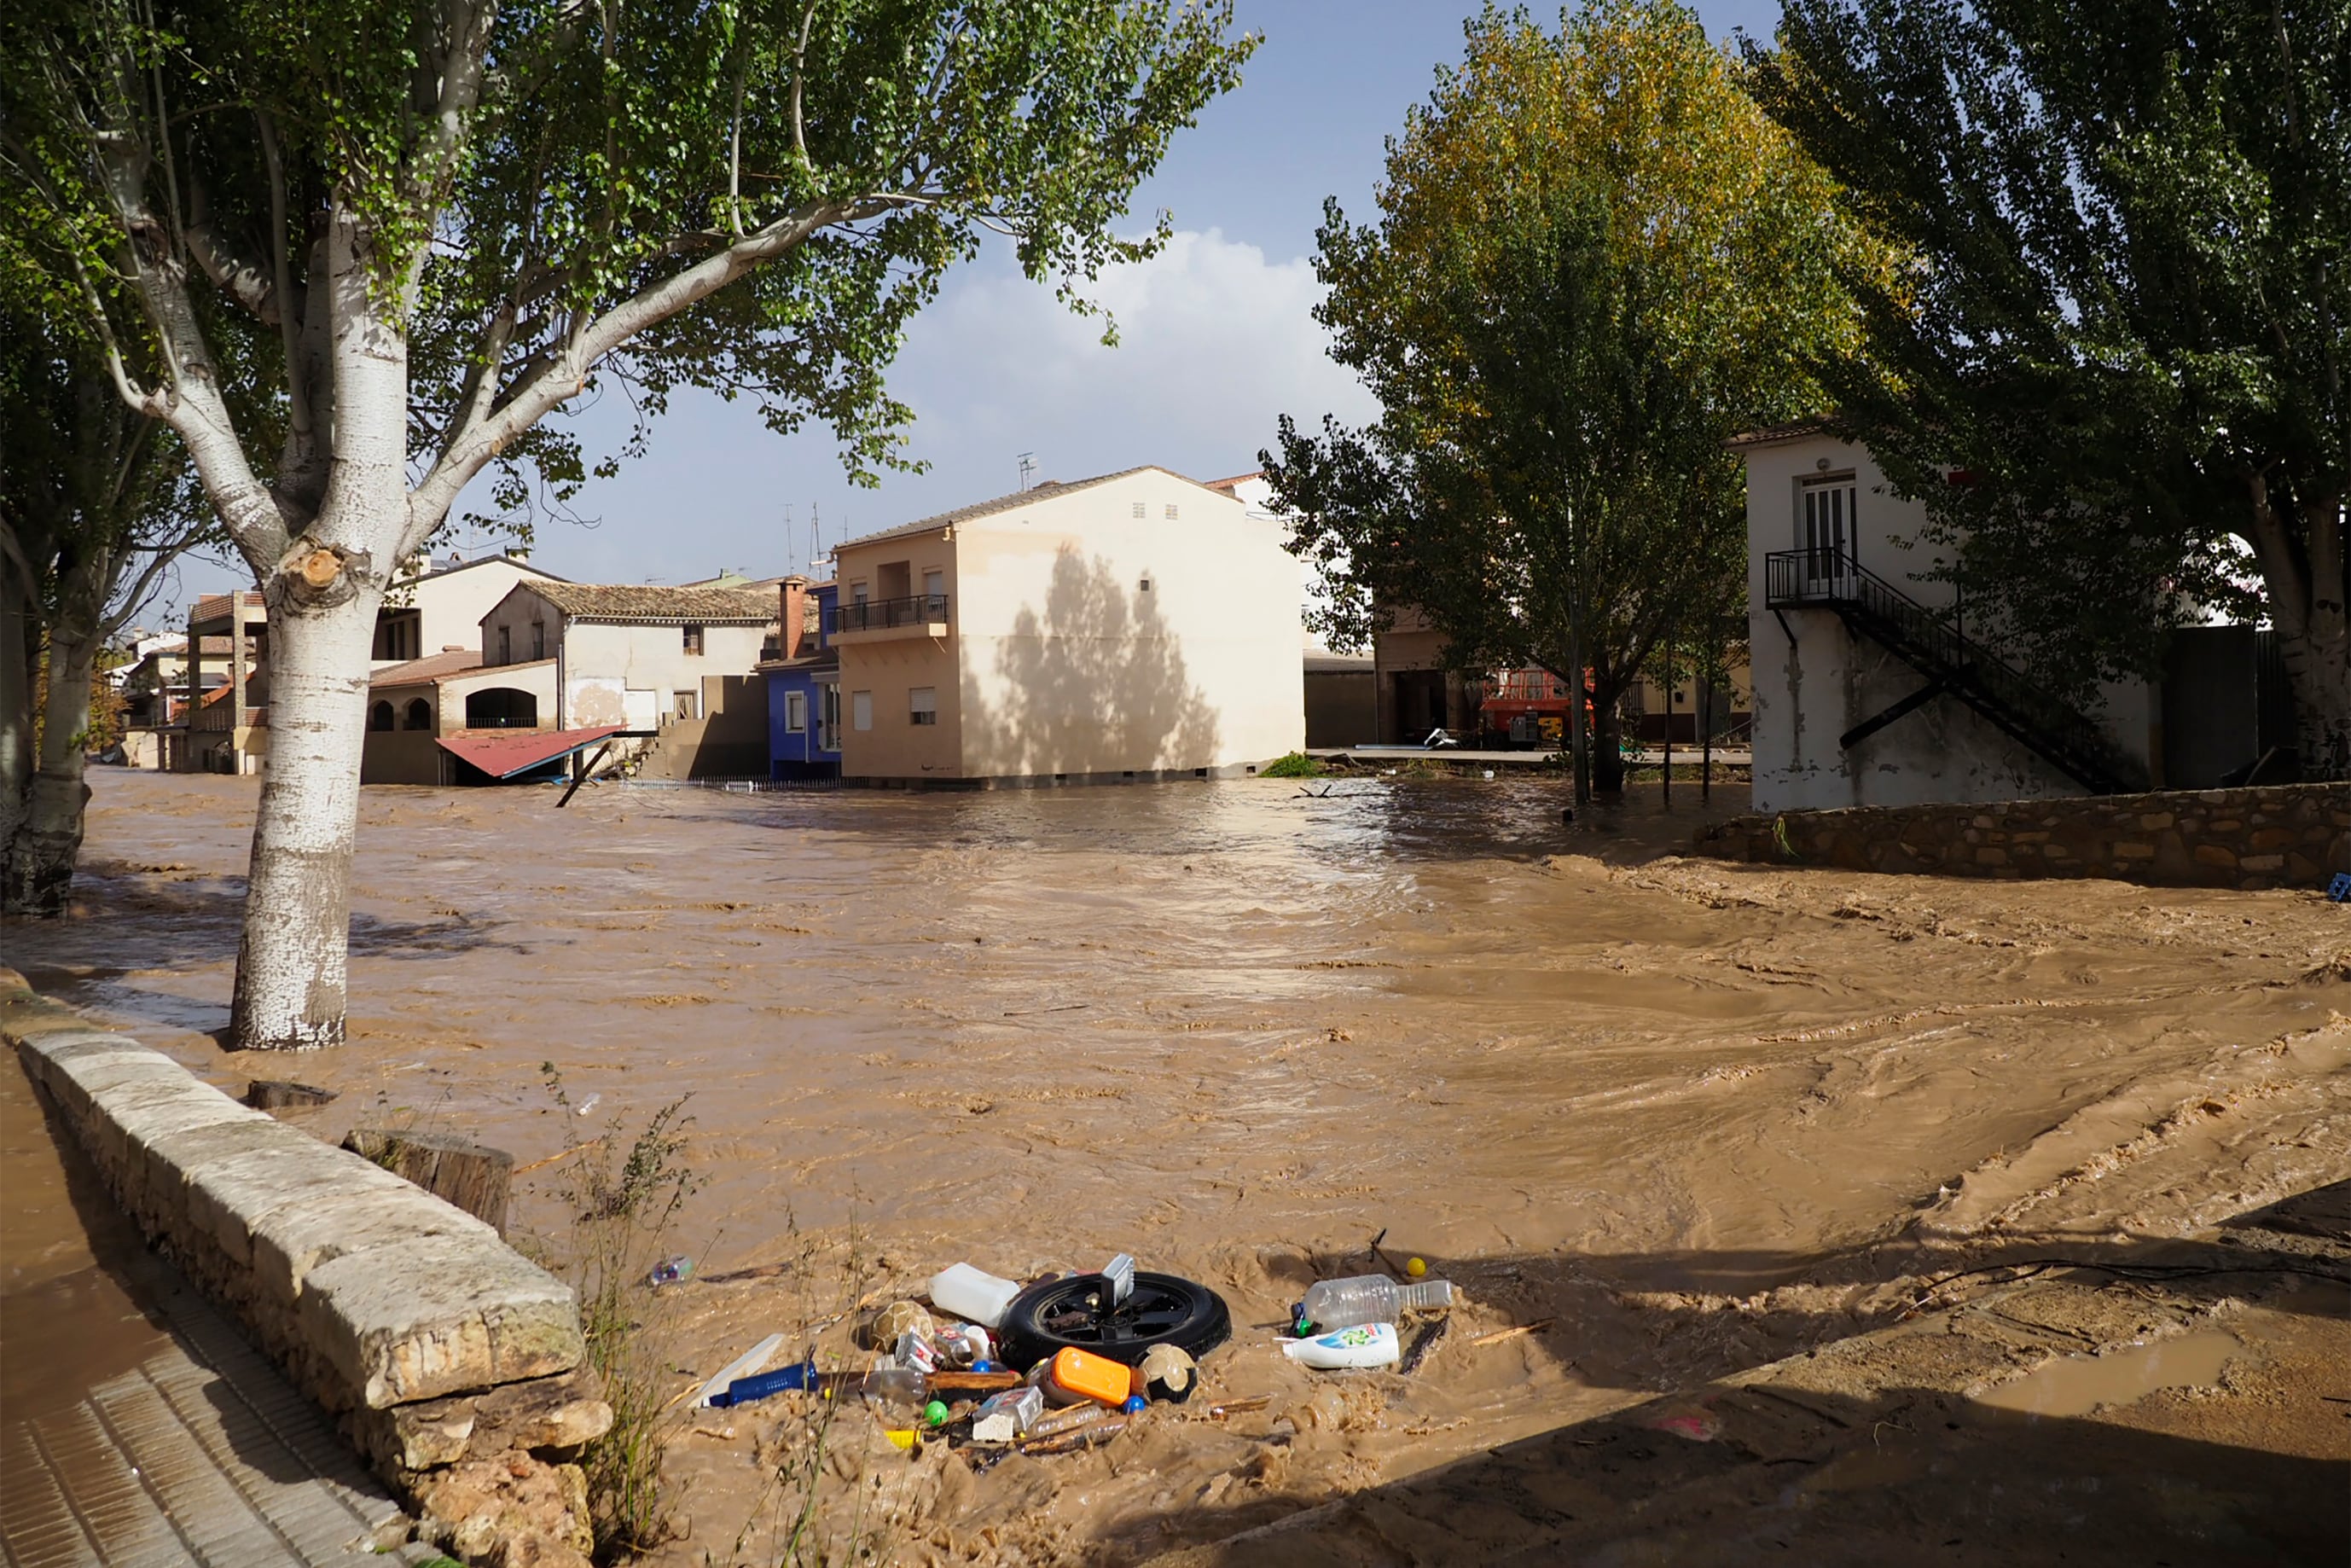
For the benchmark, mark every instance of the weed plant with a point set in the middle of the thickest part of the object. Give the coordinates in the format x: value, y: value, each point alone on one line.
x: 622, y: 1208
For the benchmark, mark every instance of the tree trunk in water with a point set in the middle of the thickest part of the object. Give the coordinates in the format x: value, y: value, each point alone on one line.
x: 19, y: 637
x: 292, y: 959
x: 48, y: 841
x: 1607, y: 747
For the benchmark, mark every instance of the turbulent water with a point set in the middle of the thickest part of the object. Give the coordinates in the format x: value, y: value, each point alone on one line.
x: 1238, y: 1029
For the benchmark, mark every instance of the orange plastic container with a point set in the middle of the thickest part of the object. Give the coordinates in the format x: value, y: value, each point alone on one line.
x: 1077, y: 1375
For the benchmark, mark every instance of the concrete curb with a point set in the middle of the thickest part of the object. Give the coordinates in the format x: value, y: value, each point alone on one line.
x: 397, y: 1312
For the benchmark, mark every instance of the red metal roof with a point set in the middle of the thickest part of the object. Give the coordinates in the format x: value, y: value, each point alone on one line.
x: 503, y: 753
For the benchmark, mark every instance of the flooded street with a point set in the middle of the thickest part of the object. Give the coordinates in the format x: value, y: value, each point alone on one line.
x: 1695, y: 1115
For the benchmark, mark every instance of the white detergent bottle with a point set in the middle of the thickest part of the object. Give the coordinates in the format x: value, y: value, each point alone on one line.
x: 1365, y: 1345
x: 963, y: 1292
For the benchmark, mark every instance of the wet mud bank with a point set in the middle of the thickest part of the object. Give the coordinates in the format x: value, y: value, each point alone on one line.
x: 1690, y: 1117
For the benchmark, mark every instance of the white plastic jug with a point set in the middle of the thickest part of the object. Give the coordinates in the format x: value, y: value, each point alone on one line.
x: 967, y: 1294
x: 1365, y: 1345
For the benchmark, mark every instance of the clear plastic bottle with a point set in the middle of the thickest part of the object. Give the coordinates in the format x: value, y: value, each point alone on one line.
x: 1370, y: 1299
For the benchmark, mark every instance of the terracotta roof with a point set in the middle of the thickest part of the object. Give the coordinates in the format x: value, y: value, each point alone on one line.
x: 503, y: 753
x: 417, y: 672
x: 822, y: 659
x: 622, y: 602
x: 1236, y: 479
x: 1774, y: 434
x: 1051, y: 489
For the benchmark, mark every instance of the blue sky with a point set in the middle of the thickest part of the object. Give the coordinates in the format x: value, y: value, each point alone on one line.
x: 1217, y: 341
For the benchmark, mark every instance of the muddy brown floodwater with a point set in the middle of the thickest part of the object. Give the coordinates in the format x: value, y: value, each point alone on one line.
x: 1698, y: 1116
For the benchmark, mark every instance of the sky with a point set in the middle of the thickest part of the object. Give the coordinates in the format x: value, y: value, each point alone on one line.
x: 1216, y: 338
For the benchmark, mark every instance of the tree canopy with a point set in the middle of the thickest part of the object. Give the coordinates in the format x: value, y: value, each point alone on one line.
x: 1596, y: 260
x: 2126, y: 315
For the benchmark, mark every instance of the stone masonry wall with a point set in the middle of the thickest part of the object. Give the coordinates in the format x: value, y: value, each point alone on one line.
x: 2293, y: 835
x: 441, y: 1350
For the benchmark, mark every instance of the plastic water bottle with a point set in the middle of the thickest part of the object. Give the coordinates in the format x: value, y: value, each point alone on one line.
x: 1370, y: 1299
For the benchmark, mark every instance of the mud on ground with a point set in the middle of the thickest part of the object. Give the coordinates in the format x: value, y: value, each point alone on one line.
x: 1695, y: 1118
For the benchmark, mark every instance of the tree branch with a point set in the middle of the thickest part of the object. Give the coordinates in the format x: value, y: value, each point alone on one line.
x: 564, y: 374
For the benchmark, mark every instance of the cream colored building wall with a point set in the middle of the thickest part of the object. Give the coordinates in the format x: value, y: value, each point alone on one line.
x: 603, y: 664
x: 896, y: 747
x: 1069, y: 665
x: 450, y: 605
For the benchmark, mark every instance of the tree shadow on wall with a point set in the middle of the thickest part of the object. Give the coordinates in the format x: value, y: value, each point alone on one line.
x: 1094, y: 683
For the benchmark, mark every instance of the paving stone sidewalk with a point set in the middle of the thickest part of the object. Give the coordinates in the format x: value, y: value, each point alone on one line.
x: 201, y: 1454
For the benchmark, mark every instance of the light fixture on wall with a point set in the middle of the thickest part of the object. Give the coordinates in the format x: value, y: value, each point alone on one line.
x: 1822, y: 464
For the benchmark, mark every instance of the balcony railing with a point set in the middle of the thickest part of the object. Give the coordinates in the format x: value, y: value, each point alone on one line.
x: 882, y: 614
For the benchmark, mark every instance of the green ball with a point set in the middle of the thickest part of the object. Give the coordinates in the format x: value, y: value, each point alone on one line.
x: 935, y: 1412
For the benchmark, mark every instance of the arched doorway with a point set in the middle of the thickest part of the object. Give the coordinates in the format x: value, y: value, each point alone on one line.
x: 501, y: 707
x: 420, y: 715
x: 380, y: 716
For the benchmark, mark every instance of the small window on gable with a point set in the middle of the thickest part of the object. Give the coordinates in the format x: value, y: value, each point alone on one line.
x: 1138, y: 510
x: 1171, y: 511
x: 538, y: 638
x: 506, y: 645
x: 693, y: 639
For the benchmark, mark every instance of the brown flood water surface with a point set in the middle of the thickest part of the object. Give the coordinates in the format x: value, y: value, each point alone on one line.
x: 1236, y: 1031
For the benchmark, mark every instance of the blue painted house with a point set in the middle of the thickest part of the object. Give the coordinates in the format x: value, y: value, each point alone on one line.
x: 804, y: 686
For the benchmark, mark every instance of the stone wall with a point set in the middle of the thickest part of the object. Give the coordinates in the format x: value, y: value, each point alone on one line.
x: 2294, y: 835
x: 441, y: 1350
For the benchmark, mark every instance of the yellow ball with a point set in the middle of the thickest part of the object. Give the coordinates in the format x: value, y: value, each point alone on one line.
x: 1416, y: 1268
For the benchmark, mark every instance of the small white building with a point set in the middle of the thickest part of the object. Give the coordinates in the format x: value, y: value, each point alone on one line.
x: 1874, y: 687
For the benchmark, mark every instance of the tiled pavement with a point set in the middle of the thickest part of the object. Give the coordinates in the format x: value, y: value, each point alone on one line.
x: 203, y: 1454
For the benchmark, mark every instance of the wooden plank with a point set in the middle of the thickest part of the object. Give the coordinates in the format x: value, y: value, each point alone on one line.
x: 477, y: 1179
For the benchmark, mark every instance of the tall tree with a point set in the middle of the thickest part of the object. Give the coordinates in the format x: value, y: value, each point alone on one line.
x: 431, y: 223
x: 2128, y: 315
x: 1595, y: 261
x: 96, y: 500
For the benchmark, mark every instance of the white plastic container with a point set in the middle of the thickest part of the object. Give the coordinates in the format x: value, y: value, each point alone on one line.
x: 963, y: 1292
x: 1365, y: 1344
x: 1004, y: 1417
x: 1371, y: 1298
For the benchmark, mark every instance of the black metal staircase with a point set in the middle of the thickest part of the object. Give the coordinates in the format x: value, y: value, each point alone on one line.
x: 1952, y: 664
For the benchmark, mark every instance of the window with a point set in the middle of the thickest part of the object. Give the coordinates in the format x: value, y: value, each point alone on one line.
x: 1143, y: 585
x: 420, y: 715
x: 796, y: 712
x: 827, y: 721
x: 380, y: 716
x: 1171, y: 511
x: 693, y: 639
x: 1139, y: 511
x: 934, y: 584
x: 857, y: 594
x: 505, y: 645
x: 687, y: 705
x: 538, y: 638
x: 861, y: 710
x: 922, y: 704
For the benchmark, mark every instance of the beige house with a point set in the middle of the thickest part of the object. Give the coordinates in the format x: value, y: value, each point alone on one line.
x: 1138, y: 625
x: 414, y: 707
x: 679, y: 661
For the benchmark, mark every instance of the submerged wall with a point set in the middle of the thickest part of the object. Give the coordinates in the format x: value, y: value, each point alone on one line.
x: 455, y: 1363
x: 2293, y: 835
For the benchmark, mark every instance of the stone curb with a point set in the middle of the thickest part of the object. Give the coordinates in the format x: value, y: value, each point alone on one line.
x: 372, y: 1294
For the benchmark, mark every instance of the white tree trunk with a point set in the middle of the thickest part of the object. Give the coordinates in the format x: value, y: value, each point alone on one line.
x: 290, y: 963
x: 47, y: 838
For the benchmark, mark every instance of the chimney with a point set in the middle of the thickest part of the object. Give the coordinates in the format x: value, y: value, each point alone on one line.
x: 794, y: 590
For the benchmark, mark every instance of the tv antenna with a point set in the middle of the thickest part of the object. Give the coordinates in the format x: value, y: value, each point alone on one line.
x: 1028, y: 468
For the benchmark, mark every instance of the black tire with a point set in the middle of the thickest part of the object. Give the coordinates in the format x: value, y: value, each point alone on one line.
x: 1073, y: 1314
